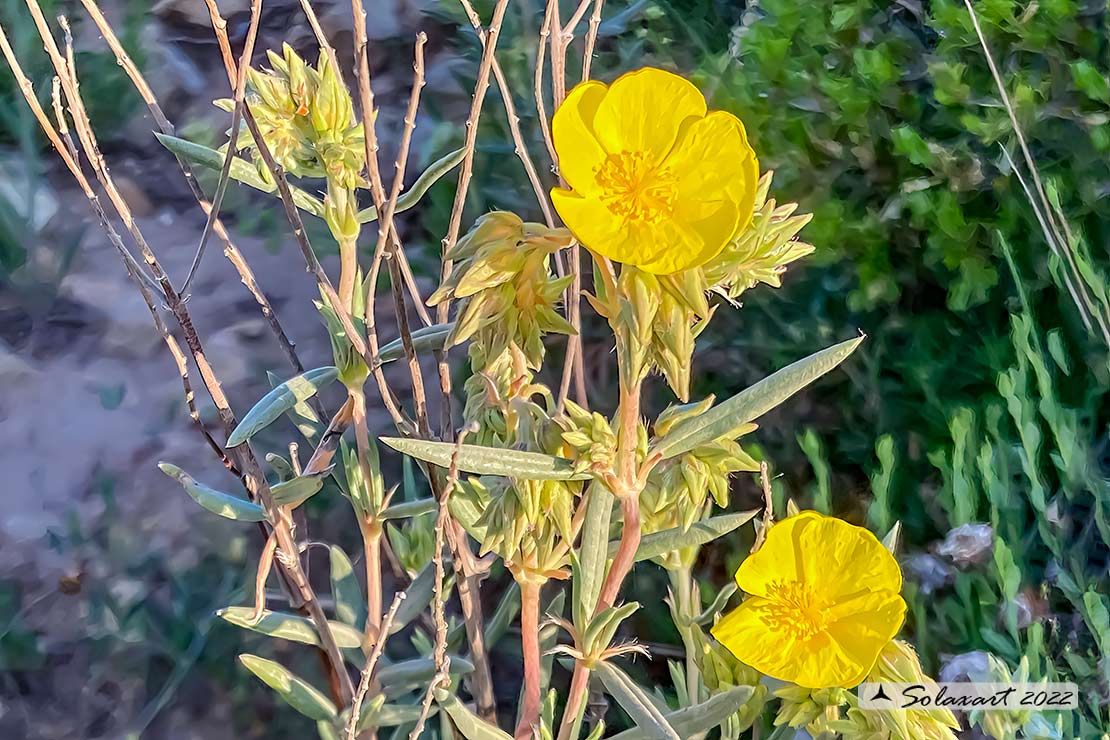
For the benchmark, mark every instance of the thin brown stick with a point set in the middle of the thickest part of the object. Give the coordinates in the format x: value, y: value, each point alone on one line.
x: 292, y: 214
x: 232, y: 144
x: 467, y: 169
x: 252, y: 474
x: 559, y: 41
x: 591, y: 39
x: 389, y: 243
x: 371, y: 664
x: 265, y: 564
x: 519, y: 147
x: 232, y: 253
x: 443, y: 520
x: 481, y: 86
x: 541, y: 52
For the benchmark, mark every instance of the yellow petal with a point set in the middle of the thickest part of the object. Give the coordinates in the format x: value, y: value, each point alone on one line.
x: 643, y: 111
x: 711, y: 159
x: 579, y: 152
x: 853, y: 553
x: 751, y: 633
x: 590, y: 220
x: 697, y: 233
x: 870, y: 624
x: 779, y: 559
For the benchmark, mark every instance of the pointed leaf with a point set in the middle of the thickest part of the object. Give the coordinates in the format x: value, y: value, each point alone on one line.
x: 410, y: 509
x: 412, y: 196
x: 693, y: 720
x: 592, y: 555
x: 295, y: 492
x: 296, y: 692
x: 279, y: 400
x: 753, y: 402
x: 350, y: 606
x: 302, y: 415
x: 289, y: 626
x: 418, y: 671
x: 660, y: 543
x: 218, y: 502
x: 241, y: 170
x: 469, y: 724
x: 426, y: 339
x: 489, y: 460
x: 635, y: 702
x: 417, y: 596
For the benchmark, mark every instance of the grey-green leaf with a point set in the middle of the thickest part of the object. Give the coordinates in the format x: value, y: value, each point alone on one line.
x: 417, y: 596
x: 592, y: 554
x: 296, y: 692
x: 218, y: 502
x: 409, y: 509
x: 289, y: 626
x: 241, y: 170
x: 350, y: 607
x: 753, y: 402
x: 412, y: 196
x: 418, y: 670
x: 699, y: 718
x: 660, y: 543
x: 427, y: 339
x: 279, y: 400
x: 302, y: 415
x: 489, y: 460
x: 469, y: 724
x: 295, y: 492
x: 636, y: 703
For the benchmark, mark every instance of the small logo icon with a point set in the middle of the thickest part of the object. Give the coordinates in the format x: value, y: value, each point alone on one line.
x: 880, y: 695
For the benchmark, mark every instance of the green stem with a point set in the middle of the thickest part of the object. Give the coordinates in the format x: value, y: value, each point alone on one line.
x: 686, y: 611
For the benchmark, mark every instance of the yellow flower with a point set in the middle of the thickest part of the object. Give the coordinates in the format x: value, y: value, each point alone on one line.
x: 822, y: 603
x: 656, y: 181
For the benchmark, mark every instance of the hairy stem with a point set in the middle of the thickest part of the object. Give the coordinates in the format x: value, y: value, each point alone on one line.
x: 530, y: 646
x: 348, y: 268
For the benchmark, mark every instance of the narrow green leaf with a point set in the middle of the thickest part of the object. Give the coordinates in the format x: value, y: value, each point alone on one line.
x: 218, y: 502
x: 699, y: 718
x: 660, y: 543
x: 289, y: 626
x: 469, y: 724
x: 417, y: 596
x: 279, y: 400
x: 350, y: 606
x: 296, y: 692
x: 426, y: 339
x: 419, y: 671
x: 295, y: 492
x: 592, y: 555
x: 302, y: 415
x: 241, y: 170
x: 635, y: 702
x: 412, y: 196
x: 489, y: 460
x: 502, y: 618
x: 750, y: 404
x: 410, y: 509
x: 392, y: 715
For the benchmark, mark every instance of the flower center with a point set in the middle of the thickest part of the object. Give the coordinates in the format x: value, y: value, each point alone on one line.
x: 796, y: 609
x: 635, y: 189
